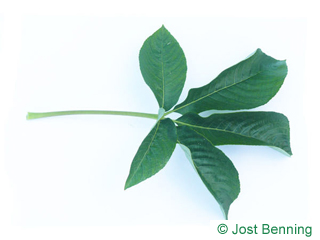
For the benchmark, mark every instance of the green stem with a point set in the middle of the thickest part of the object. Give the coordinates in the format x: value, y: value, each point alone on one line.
x: 32, y: 115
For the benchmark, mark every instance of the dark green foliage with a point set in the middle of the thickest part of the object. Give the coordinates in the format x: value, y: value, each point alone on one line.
x: 248, y: 84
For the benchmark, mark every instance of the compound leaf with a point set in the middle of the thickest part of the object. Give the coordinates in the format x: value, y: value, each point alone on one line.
x: 214, y: 168
x: 244, y: 128
x: 163, y: 67
x: 248, y: 84
x: 154, y: 152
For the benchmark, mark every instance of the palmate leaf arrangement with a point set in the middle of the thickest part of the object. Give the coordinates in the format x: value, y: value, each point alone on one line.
x: 248, y: 84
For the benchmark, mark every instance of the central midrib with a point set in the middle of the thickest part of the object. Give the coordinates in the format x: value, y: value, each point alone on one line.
x: 213, y: 129
x: 162, y: 69
x: 148, y: 148
x: 209, y: 94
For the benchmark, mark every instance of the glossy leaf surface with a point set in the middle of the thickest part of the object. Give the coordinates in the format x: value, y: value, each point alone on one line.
x: 153, y: 153
x: 163, y: 67
x: 214, y: 168
x: 248, y: 84
x: 245, y: 128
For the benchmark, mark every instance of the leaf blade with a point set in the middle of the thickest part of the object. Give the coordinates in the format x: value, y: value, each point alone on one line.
x: 242, y: 128
x: 214, y: 168
x: 153, y: 153
x: 248, y: 84
x: 163, y: 67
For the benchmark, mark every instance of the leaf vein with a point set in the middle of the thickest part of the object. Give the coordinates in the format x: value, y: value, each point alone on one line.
x: 148, y: 148
x: 216, y: 91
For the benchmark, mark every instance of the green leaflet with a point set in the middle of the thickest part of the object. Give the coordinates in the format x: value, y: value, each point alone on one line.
x: 163, y: 67
x: 214, y: 168
x: 245, y: 128
x: 153, y: 153
x: 248, y: 84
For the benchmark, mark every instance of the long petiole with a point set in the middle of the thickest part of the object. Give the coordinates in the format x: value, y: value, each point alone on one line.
x: 33, y: 115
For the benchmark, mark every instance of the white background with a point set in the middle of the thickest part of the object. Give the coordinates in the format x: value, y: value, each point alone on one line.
x: 70, y: 171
